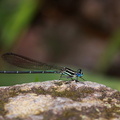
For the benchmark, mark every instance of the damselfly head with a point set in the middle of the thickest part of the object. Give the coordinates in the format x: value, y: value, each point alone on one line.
x: 79, y: 71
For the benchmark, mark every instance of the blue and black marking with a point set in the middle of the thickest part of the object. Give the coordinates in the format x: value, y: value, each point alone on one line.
x: 71, y: 73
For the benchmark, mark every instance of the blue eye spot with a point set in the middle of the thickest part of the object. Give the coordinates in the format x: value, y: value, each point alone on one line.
x: 79, y: 74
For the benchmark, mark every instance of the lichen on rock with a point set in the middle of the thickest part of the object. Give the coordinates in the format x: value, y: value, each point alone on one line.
x: 59, y: 100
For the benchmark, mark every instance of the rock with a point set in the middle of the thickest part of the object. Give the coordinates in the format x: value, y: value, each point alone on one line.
x: 59, y: 100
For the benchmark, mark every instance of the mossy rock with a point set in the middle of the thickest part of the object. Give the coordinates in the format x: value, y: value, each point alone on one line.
x: 59, y: 100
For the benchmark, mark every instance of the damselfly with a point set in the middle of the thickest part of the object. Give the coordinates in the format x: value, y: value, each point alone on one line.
x: 24, y: 62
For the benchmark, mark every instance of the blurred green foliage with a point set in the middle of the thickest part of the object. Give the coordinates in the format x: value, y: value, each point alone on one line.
x: 111, y: 50
x: 102, y: 79
x: 15, y: 18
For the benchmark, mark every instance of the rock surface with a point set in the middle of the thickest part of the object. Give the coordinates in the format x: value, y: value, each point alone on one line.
x: 59, y: 100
